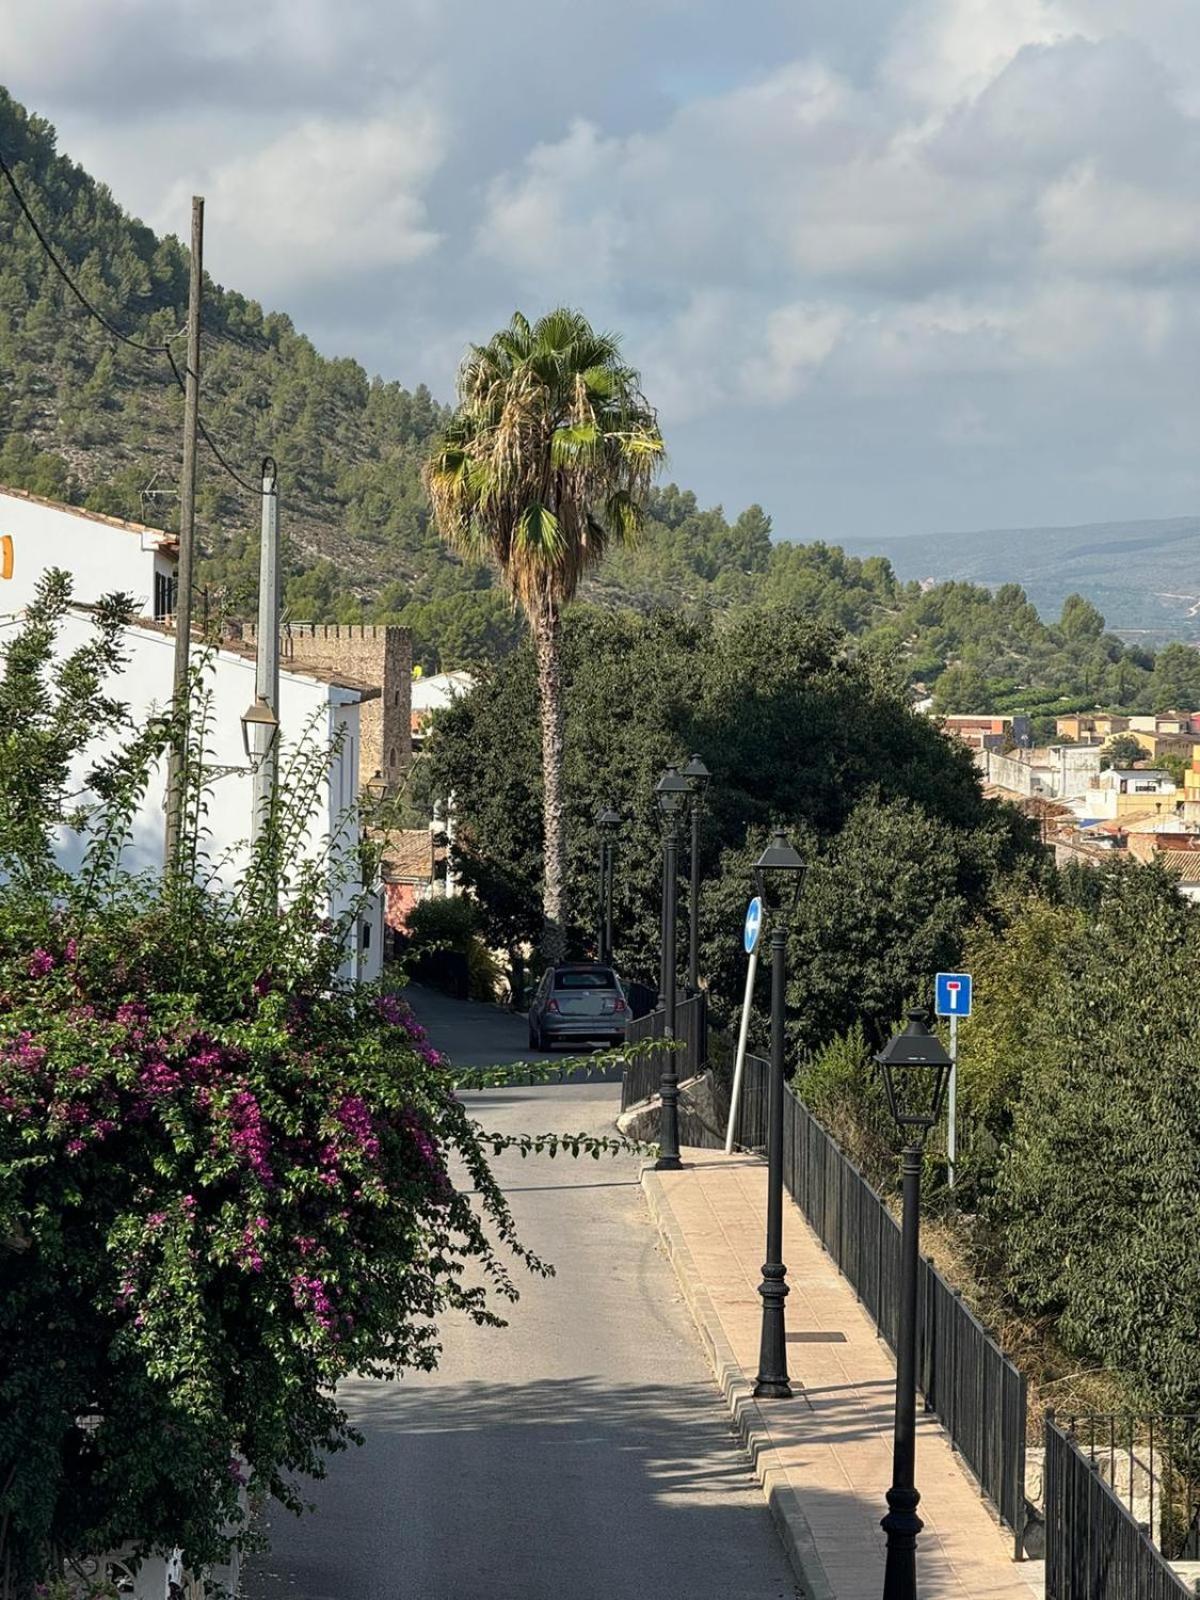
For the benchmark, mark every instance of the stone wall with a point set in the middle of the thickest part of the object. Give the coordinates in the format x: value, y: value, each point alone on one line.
x: 375, y: 654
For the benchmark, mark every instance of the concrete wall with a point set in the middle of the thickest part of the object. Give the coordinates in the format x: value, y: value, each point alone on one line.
x: 103, y: 556
x: 378, y: 655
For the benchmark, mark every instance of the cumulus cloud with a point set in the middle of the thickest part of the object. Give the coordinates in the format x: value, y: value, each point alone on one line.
x: 324, y: 200
x: 960, y: 229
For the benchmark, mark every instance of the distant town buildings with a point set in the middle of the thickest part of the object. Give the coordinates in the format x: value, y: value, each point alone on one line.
x: 990, y: 733
x: 1090, y: 810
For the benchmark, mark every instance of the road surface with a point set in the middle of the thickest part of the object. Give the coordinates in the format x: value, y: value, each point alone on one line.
x: 582, y: 1453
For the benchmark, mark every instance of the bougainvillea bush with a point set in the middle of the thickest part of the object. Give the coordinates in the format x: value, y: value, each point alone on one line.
x: 224, y: 1175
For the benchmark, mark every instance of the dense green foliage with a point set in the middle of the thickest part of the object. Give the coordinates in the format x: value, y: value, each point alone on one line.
x: 904, y: 850
x: 1079, y: 1125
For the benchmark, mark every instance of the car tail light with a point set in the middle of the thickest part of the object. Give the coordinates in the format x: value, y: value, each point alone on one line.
x: 552, y: 1005
x: 620, y: 1007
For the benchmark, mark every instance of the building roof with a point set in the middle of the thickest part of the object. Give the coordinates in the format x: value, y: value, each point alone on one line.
x: 408, y: 856
x: 165, y: 539
x: 1137, y: 772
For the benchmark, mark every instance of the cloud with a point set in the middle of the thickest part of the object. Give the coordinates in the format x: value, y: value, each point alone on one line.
x: 946, y: 232
x: 326, y: 200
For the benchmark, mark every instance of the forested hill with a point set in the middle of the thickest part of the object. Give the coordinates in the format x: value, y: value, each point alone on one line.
x: 86, y: 418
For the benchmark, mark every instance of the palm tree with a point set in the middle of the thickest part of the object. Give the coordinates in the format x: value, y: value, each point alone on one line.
x: 546, y: 461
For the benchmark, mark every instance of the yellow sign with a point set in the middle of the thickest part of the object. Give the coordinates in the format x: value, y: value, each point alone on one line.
x: 6, y: 555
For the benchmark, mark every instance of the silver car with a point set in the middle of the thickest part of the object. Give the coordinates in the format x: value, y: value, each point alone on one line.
x: 578, y: 1002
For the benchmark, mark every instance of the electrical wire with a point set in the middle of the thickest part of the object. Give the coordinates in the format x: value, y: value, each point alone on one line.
x: 111, y: 328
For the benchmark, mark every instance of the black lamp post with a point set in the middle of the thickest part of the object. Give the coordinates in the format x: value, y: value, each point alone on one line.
x: 778, y: 869
x: 608, y: 822
x: 671, y: 792
x: 697, y: 775
x: 916, y: 1070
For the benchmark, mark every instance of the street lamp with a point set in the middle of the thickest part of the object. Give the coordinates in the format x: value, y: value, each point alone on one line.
x: 608, y: 821
x: 778, y: 874
x: 671, y: 792
x: 697, y: 775
x: 916, y: 1070
x: 258, y: 715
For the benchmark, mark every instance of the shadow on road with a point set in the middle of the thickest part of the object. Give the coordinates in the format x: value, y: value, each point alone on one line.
x: 534, y: 1491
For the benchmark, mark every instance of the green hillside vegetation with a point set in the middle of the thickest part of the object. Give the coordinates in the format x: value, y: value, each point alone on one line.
x: 89, y: 420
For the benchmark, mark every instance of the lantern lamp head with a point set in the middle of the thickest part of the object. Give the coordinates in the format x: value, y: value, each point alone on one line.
x: 697, y: 775
x: 781, y: 869
x: 671, y: 792
x: 916, y: 1072
x: 259, y: 715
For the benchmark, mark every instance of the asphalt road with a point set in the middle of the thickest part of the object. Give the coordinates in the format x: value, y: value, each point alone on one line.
x: 582, y: 1452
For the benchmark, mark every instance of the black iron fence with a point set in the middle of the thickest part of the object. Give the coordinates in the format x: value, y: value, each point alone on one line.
x: 641, y: 1077
x: 1152, y: 1465
x: 976, y: 1392
x: 1097, y: 1547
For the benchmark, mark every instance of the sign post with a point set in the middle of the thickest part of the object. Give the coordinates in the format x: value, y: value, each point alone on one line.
x: 750, y: 933
x: 953, y: 1000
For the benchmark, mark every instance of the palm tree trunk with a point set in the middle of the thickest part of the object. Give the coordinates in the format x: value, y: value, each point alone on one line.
x: 547, y: 638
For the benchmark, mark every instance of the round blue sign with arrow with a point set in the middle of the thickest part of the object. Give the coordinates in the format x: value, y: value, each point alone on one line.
x: 753, y: 925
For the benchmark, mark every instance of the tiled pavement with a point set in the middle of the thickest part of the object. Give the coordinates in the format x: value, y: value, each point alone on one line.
x: 823, y: 1457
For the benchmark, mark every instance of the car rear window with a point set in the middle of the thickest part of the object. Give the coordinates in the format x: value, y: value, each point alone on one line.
x: 584, y: 980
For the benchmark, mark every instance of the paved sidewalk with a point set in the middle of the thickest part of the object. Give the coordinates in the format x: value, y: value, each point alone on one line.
x: 824, y: 1458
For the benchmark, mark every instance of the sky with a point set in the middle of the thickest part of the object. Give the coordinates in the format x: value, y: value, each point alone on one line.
x: 886, y: 266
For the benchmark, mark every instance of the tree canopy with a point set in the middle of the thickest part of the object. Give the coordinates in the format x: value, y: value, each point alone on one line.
x: 794, y: 730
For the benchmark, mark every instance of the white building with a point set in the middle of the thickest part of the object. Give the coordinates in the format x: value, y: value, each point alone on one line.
x: 1127, y: 792
x: 103, y: 556
x: 1059, y: 772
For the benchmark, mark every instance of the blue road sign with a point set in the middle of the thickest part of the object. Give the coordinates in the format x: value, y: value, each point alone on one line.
x: 753, y: 926
x: 953, y: 994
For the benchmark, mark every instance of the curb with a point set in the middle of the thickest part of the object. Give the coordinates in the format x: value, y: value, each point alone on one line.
x: 748, y: 1418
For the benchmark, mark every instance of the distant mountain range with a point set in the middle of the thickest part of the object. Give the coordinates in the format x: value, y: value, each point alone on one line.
x: 1144, y: 576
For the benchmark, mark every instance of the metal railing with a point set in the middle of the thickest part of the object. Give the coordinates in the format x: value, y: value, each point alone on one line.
x: 1096, y: 1548
x: 1152, y: 1465
x: 641, y: 1077
x: 976, y: 1392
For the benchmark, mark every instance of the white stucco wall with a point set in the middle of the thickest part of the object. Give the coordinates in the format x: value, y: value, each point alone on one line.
x: 305, y: 704
x: 102, y: 557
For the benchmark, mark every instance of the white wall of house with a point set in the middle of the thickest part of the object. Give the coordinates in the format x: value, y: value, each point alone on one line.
x: 102, y: 555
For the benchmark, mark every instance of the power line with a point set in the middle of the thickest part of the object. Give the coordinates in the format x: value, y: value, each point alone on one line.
x: 110, y: 327
x: 134, y: 344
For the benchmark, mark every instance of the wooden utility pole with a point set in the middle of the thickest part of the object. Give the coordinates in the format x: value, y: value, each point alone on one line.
x: 187, y: 524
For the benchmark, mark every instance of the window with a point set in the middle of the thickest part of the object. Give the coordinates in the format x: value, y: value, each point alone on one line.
x: 598, y: 978
x: 392, y: 756
x: 165, y: 589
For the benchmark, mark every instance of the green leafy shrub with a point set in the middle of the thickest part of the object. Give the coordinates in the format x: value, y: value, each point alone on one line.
x: 445, y: 947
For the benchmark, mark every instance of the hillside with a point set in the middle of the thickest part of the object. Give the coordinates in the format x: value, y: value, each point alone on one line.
x: 1144, y: 576
x: 84, y: 417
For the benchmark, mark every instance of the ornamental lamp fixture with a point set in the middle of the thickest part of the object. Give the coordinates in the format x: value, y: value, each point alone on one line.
x: 671, y: 792
x: 697, y: 775
x: 780, y: 868
x: 916, y: 1072
x: 608, y: 820
x: 259, y: 715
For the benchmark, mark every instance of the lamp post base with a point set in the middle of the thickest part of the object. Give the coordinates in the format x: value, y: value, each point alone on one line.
x: 772, y: 1382
x: 902, y: 1525
x: 668, y: 1164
